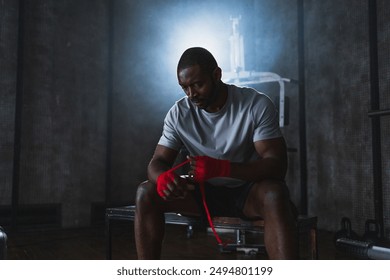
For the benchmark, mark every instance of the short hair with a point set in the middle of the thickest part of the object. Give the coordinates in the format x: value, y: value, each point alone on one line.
x: 197, y: 56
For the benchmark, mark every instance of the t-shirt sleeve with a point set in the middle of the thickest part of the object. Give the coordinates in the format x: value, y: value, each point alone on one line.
x: 169, y: 137
x: 266, y: 119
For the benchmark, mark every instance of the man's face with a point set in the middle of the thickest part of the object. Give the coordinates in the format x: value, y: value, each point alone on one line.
x: 200, y: 87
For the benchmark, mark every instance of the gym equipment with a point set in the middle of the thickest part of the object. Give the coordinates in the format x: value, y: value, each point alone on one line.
x: 346, y: 230
x: 3, y: 244
x: 366, y: 247
x: 362, y: 249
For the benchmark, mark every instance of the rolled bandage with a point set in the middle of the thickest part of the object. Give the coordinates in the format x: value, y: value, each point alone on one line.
x: 207, y: 167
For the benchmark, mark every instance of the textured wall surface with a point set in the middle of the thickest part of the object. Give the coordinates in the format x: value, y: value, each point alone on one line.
x: 63, y: 134
x: 384, y: 94
x: 338, y: 100
x: 338, y: 128
x: 64, y: 117
x: 8, y: 62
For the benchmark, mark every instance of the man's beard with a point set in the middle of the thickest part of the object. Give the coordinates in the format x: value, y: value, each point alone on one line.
x: 213, y: 97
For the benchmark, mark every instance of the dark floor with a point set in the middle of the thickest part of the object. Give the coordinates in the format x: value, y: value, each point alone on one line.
x: 90, y: 244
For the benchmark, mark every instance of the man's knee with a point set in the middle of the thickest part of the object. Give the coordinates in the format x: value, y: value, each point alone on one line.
x: 273, y: 191
x: 146, y: 193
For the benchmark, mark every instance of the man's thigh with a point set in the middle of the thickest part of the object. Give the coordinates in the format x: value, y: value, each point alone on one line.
x: 274, y: 191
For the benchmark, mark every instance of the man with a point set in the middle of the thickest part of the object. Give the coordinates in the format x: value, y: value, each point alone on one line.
x: 236, y: 151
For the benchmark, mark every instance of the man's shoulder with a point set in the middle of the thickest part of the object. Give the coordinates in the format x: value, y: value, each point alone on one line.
x: 182, y: 102
x: 180, y: 107
x: 248, y: 94
x: 179, y: 104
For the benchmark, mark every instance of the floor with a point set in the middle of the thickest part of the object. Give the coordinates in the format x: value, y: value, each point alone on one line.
x: 90, y: 244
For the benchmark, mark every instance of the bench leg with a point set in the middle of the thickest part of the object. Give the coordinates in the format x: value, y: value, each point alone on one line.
x: 313, y: 244
x: 240, y: 237
x: 190, y: 231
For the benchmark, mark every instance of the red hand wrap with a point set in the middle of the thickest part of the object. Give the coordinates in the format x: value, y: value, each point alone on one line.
x: 207, y: 167
x: 163, y: 180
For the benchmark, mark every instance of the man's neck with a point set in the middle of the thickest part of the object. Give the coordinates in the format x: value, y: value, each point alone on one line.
x: 220, y: 101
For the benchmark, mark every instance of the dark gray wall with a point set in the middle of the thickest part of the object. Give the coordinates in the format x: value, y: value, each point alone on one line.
x: 384, y: 92
x: 8, y: 50
x: 64, y: 112
x: 338, y: 95
x: 66, y: 87
x: 63, y: 131
x: 338, y: 100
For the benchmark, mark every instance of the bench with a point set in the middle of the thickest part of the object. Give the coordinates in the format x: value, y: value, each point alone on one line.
x: 306, y: 225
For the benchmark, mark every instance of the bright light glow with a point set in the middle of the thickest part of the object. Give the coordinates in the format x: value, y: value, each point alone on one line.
x: 207, y: 32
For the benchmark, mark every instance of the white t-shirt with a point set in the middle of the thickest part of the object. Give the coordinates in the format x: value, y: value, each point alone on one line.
x: 248, y: 116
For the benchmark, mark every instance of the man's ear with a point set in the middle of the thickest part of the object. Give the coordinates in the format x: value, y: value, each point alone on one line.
x: 217, y: 74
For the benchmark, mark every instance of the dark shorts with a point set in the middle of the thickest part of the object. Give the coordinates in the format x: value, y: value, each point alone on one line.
x: 224, y: 201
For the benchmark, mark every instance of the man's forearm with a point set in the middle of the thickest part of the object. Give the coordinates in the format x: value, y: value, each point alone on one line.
x: 155, y: 168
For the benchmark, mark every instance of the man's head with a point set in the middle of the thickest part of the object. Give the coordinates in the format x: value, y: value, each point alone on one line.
x: 200, y: 78
x: 197, y: 56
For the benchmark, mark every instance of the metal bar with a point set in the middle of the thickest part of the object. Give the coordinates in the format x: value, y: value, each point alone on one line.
x: 375, y: 121
x: 302, y: 109
x: 379, y: 113
x: 378, y: 253
x: 362, y: 249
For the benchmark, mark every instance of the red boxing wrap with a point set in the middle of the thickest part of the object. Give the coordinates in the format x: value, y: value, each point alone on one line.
x: 207, y: 167
x: 163, y: 180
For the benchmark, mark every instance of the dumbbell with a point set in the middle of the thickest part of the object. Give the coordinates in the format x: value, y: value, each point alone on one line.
x: 346, y: 231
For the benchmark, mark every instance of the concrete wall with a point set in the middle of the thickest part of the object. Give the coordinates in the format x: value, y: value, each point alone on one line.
x: 384, y: 90
x: 63, y: 131
x: 338, y: 95
x: 338, y: 100
x: 8, y: 62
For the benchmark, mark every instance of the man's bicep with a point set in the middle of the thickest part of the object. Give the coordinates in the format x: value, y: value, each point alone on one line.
x: 275, y: 148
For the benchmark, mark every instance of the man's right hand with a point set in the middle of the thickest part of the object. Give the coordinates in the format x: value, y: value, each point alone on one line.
x: 171, y: 186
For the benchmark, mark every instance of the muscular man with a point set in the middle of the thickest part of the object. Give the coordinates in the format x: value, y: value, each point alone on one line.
x: 236, y: 150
